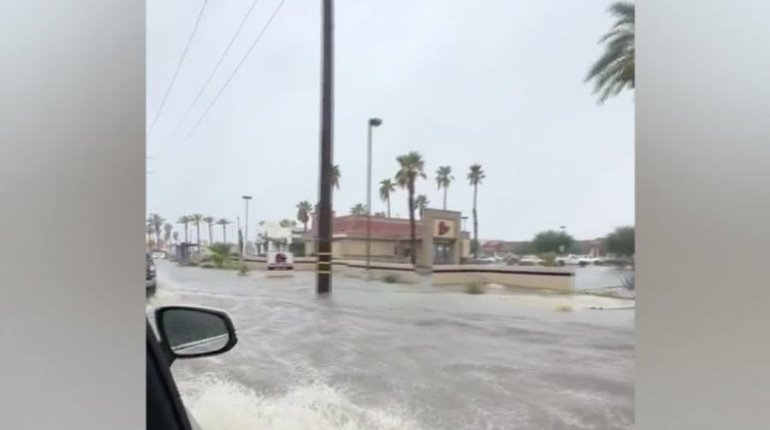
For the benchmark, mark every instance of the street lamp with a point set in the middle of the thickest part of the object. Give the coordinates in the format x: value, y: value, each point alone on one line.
x: 373, y: 122
x: 246, y: 223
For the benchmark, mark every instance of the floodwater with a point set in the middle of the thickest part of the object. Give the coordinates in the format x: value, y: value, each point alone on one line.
x: 382, y: 356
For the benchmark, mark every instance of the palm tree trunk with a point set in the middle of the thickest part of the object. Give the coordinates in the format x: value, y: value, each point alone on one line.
x: 475, y: 223
x: 445, y: 198
x: 304, y: 227
x: 197, y: 233
x: 224, y: 233
x: 186, y: 236
x: 211, y: 235
x: 412, y: 226
x: 388, y: 206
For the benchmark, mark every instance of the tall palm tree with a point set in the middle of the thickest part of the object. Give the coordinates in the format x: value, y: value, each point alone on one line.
x: 197, y: 218
x: 475, y: 176
x: 358, y: 209
x: 304, y: 208
x: 185, y: 220
x: 224, y: 222
x: 336, y: 176
x: 209, y: 220
x: 443, y: 179
x: 421, y: 202
x: 150, y: 230
x: 411, y: 167
x: 387, y: 188
x: 156, y: 221
x: 614, y: 70
x: 167, y: 232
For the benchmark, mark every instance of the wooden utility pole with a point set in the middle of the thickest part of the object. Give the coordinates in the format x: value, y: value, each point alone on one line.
x: 324, y: 263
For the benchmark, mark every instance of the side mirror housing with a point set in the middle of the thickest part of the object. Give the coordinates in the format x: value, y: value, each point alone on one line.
x: 191, y: 332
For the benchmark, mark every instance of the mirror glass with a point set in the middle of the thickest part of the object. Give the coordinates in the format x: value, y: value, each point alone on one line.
x: 191, y: 332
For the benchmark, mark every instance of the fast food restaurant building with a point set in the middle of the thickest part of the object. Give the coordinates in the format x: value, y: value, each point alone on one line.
x: 439, y: 238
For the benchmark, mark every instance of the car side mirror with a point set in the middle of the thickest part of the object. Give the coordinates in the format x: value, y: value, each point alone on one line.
x: 191, y: 332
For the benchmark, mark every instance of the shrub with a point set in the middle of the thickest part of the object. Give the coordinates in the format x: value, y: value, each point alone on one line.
x: 549, y: 259
x: 243, y: 269
x: 218, y: 260
x: 390, y: 279
x: 474, y: 288
x: 208, y: 265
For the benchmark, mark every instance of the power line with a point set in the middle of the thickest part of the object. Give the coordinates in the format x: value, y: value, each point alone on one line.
x: 178, y: 66
x: 214, y: 71
x: 229, y: 79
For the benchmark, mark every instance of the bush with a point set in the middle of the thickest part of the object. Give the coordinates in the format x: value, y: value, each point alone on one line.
x: 218, y: 260
x: 243, y: 269
x: 208, y: 265
x: 549, y: 259
x: 474, y: 288
x: 390, y: 279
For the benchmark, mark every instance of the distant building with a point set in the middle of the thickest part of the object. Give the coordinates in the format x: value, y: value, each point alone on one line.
x: 439, y: 240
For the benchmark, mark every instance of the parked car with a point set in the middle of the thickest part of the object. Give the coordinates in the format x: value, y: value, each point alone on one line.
x: 530, y: 260
x: 150, y: 277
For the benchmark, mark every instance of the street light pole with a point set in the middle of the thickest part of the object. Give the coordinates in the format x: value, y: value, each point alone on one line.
x: 373, y: 122
x: 246, y: 224
x: 324, y: 263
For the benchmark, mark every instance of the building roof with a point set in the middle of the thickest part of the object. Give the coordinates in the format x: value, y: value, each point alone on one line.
x: 382, y: 228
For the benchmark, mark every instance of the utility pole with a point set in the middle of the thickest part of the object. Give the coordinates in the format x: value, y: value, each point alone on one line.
x: 324, y: 263
x: 373, y: 122
x: 246, y: 223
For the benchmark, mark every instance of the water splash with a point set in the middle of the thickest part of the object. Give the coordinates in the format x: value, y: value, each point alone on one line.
x: 227, y: 405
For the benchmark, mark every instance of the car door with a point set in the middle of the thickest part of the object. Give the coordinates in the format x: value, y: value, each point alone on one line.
x: 165, y: 410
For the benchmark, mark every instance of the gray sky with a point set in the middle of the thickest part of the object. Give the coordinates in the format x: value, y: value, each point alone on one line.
x: 495, y: 82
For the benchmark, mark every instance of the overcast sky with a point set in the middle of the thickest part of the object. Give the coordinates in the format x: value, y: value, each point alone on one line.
x: 495, y: 82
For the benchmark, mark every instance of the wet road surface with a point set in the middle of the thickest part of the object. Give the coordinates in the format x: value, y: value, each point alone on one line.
x: 383, y: 356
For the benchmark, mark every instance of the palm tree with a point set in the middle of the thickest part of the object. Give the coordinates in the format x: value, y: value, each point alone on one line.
x: 224, y: 222
x: 209, y: 220
x: 156, y: 221
x: 197, y: 218
x: 304, y: 208
x: 287, y: 223
x: 336, y: 176
x: 185, y: 220
x: 614, y: 70
x: 359, y: 209
x: 387, y: 188
x: 411, y: 166
x: 150, y: 230
x: 443, y: 179
x: 421, y: 202
x: 167, y: 232
x: 475, y: 176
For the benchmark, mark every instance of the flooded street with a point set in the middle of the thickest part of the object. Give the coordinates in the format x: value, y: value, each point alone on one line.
x: 384, y: 356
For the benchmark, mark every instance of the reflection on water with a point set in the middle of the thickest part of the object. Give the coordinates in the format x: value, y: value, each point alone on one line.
x: 383, y: 356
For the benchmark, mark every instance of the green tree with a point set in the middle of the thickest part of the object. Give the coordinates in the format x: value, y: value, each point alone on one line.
x: 411, y: 167
x: 209, y: 220
x: 621, y: 241
x: 421, y: 202
x: 475, y: 176
x: 443, y: 179
x: 197, y: 218
x: 551, y: 241
x: 358, y: 209
x: 224, y: 222
x: 185, y: 221
x: 336, y: 176
x: 287, y: 223
x: 614, y: 70
x: 304, y: 208
x: 387, y: 188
